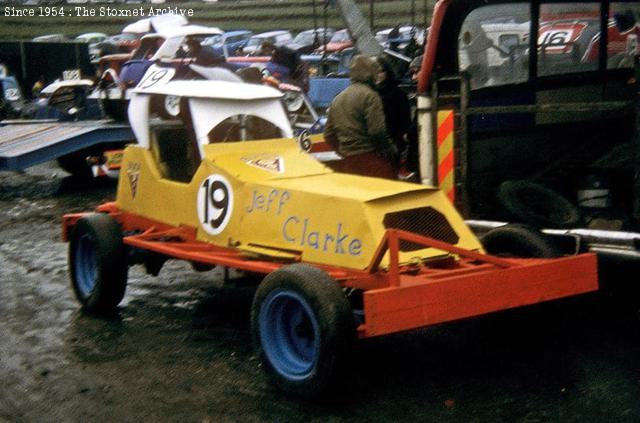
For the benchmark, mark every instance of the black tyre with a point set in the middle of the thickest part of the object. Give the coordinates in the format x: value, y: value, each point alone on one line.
x: 518, y: 241
x: 302, y: 328
x: 76, y: 164
x: 97, y: 263
x: 116, y: 109
x: 537, y: 205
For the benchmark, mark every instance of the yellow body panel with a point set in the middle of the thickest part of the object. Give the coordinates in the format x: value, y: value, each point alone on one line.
x: 141, y: 190
x: 269, y: 196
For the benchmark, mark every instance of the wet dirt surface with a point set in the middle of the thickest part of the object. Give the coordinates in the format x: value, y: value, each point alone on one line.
x: 179, y: 348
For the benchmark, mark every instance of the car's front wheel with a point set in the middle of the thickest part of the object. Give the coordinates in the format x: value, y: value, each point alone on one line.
x: 97, y: 263
x: 302, y: 326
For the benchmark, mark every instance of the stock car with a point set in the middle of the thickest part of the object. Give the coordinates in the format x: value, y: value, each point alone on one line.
x: 569, y: 37
x: 345, y: 256
x: 576, y: 40
x: 164, y: 46
x: 12, y: 102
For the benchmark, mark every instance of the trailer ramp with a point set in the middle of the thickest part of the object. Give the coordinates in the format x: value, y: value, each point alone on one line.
x: 25, y: 144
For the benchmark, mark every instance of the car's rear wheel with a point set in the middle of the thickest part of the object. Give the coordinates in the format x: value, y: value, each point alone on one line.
x: 302, y: 326
x: 97, y: 263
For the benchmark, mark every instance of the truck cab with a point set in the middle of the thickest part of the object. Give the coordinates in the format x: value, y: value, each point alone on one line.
x: 527, y: 113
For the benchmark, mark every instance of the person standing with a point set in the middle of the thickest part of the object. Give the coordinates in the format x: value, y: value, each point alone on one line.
x: 356, y: 126
x: 396, y: 106
x: 394, y: 38
x: 202, y: 55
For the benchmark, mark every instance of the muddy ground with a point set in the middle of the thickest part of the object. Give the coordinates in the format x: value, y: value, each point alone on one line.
x: 179, y: 347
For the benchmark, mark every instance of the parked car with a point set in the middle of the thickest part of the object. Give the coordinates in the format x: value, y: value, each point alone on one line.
x: 229, y: 43
x: 318, y: 65
x: 400, y: 42
x: 165, y: 46
x: 64, y: 100
x: 331, y: 65
x: 93, y: 39
x: 11, y: 99
x: 277, y: 38
x: 328, y: 76
x: 307, y: 41
x: 157, y: 23
x: 129, y: 39
x: 50, y: 38
x: 339, y: 41
x: 119, y: 43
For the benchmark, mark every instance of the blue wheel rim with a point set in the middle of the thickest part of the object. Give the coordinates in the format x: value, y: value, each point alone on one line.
x: 85, y: 265
x: 289, y: 334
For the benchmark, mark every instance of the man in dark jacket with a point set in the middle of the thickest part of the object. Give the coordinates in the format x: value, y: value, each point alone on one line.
x: 356, y: 126
x: 397, y: 112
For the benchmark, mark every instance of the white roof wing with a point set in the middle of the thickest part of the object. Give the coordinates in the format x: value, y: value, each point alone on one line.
x: 139, y: 27
x: 191, y: 30
x: 175, y: 38
x: 270, y: 33
x: 153, y: 35
x: 221, y: 90
x: 206, y: 115
x: 157, y: 23
x: 139, y: 118
x: 210, y: 103
x: 215, y: 73
x: 71, y: 83
x: 165, y: 22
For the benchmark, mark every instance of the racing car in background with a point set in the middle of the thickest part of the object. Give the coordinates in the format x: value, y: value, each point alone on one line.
x: 12, y: 102
x: 345, y: 256
x: 571, y: 33
x: 160, y: 58
x: 114, y: 83
x: 494, y: 49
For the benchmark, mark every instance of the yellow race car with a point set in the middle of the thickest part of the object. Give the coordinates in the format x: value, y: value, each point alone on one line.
x: 345, y: 256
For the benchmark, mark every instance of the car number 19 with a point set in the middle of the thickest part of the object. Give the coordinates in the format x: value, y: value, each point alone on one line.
x: 156, y: 75
x: 215, y: 203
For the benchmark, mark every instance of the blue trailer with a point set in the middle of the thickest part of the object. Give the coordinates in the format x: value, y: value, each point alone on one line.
x: 27, y: 143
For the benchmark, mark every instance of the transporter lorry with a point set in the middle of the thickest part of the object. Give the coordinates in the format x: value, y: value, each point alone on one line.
x: 527, y: 114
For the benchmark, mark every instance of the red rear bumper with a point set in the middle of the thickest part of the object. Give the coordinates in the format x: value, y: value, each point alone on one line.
x: 419, y: 301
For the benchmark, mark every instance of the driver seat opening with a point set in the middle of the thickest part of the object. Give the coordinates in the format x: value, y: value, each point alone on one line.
x: 176, y: 156
x: 244, y: 128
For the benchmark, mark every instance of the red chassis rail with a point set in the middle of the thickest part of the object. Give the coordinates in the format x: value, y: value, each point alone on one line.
x: 401, y: 297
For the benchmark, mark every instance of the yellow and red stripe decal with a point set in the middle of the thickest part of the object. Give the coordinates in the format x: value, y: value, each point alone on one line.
x: 446, y: 163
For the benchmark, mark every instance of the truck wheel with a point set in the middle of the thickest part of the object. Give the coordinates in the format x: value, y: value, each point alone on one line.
x: 302, y: 328
x: 537, y: 205
x: 517, y: 240
x: 97, y: 263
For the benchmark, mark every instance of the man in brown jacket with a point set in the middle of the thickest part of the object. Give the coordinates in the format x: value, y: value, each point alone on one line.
x: 356, y: 125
